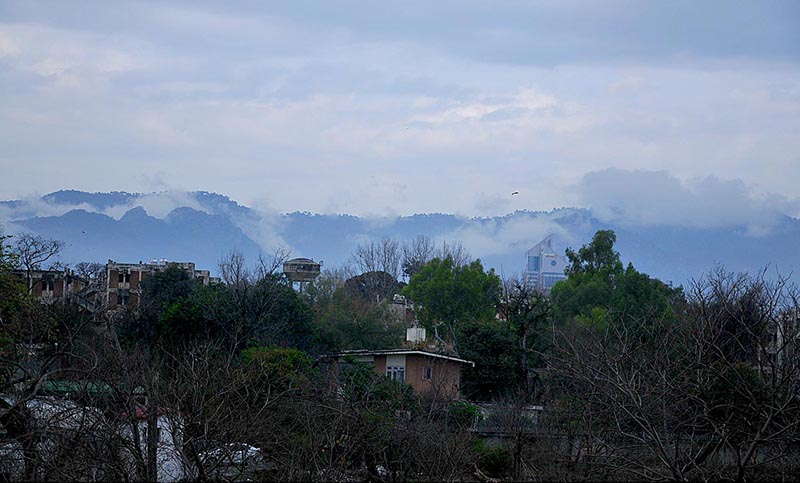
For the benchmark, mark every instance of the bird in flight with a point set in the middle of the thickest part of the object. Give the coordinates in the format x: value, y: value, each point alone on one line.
x: 515, y: 193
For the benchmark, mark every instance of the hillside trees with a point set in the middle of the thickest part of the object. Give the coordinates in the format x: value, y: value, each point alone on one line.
x: 252, y: 306
x: 421, y: 250
x: 709, y: 393
x: 447, y: 295
x: 598, y: 286
x: 343, y: 322
x: 378, y: 262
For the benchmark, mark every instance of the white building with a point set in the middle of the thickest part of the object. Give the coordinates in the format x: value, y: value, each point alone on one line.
x: 544, y: 266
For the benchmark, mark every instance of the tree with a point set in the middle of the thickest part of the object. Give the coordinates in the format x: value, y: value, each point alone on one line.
x: 373, y: 287
x: 492, y: 346
x: 344, y: 323
x: 378, y: 257
x: 668, y: 398
x: 598, y: 256
x: 448, y: 295
x: 417, y: 253
x: 37, y: 343
x: 8, y: 259
x: 10, y: 288
x: 259, y: 306
x: 90, y: 271
x: 529, y: 315
x: 32, y: 251
x: 164, y: 310
x: 422, y: 250
x: 598, y: 286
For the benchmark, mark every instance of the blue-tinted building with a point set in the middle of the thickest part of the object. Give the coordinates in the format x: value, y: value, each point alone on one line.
x: 544, y: 266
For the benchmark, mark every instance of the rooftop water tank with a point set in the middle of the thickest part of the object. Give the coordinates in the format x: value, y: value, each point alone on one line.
x: 301, y: 269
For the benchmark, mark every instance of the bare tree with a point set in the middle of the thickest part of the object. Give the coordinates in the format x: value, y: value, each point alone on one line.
x: 417, y: 253
x: 91, y: 271
x: 33, y: 251
x: 253, y: 296
x: 455, y: 251
x: 422, y: 249
x: 375, y: 258
x: 709, y: 395
x: 378, y: 256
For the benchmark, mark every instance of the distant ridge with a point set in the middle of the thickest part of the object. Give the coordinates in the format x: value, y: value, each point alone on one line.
x: 214, y: 224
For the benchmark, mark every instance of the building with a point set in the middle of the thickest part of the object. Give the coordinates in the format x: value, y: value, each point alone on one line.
x: 123, y: 280
x: 118, y: 286
x: 52, y: 285
x: 429, y: 374
x: 544, y: 266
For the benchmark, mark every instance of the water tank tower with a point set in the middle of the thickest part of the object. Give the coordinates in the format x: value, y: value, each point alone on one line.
x: 301, y: 270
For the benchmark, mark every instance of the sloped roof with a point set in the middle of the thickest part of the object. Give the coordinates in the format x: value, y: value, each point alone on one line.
x: 399, y: 352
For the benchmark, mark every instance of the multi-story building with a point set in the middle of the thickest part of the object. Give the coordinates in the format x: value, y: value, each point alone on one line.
x: 123, y: 280
x: 544, y: 266
x: 52, y: 285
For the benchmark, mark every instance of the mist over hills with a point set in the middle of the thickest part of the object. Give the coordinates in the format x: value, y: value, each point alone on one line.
x: 202, y: 227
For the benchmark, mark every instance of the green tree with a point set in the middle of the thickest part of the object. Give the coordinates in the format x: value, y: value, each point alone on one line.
x: 598, y: 286
x: 446, y: 294
x: 164, y: 310
x: 598, y: 256
x: 529, y: 315
x: 343, y: 322
x: 491, y: 345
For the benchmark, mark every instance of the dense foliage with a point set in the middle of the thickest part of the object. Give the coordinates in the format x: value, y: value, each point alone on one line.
x: 613, y: 376
x: 598, y: 287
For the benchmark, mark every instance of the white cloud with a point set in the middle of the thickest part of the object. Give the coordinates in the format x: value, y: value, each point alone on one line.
x: 644, y: 198
x: 376, y: 118
x: 32, y: 205
x: 508, y: 235
x: 157, y: 205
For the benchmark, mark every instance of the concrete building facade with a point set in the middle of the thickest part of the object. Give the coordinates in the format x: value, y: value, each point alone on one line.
x: 430, y: 375
x: 123, y: 280
x: 52, y: 285
x: 544, y: 266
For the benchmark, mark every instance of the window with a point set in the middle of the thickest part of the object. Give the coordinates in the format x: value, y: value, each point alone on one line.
x: 124, y: 277
x: 396, y: 373
x: 47, y: 285
x: 123, y: 298
x: 533, y: 264
x: 427, y: 373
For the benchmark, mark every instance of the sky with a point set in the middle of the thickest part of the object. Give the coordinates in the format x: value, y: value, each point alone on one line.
x: 678, y: 112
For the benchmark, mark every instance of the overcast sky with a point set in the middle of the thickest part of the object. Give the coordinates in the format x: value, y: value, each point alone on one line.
x: 380, y: 107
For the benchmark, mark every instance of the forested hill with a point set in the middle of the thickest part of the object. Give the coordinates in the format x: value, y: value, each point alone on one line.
x: 202, y: 227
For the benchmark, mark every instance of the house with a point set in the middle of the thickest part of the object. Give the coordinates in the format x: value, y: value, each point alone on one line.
x: 429, y: 374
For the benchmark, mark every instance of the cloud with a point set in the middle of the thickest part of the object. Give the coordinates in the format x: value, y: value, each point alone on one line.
x: 647, y: 198
x: 393, y: 109
x: 511, y: 234
x: 157, y: 205
x: 33, y: 205
x: 261, y: 223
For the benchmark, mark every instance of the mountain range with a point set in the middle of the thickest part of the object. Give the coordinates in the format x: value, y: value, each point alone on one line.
x: 203, y: 227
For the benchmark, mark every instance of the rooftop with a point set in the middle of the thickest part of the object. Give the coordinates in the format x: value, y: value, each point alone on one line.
x: 398, y: 352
